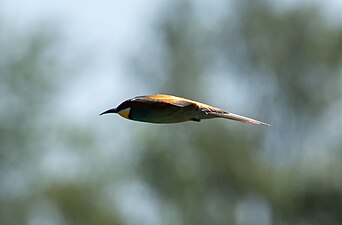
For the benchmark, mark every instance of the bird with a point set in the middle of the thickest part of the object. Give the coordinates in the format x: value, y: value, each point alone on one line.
x: 167, y: 109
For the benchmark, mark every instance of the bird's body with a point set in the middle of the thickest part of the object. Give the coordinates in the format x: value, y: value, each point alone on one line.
x: 162, y: 108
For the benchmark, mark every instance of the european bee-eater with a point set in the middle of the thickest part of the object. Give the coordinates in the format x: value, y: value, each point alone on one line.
x: 162, y: 108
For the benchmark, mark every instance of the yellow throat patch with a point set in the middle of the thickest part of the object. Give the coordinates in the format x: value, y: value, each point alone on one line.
x: 125, y: 113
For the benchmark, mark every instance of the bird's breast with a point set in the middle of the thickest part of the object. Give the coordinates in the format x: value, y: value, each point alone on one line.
x: 157, y: 112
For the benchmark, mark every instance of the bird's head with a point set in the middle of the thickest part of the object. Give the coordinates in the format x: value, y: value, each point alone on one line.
x: 123, y: 109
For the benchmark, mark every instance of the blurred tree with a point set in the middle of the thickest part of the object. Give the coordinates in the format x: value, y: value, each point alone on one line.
x: 27, y: 67
x: 215, y: 174
x: 33, y: 73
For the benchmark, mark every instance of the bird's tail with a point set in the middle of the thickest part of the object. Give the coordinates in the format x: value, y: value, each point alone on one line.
x: 236, y: 117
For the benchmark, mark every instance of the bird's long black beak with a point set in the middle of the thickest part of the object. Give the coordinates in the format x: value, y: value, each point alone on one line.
x: 113, y: 110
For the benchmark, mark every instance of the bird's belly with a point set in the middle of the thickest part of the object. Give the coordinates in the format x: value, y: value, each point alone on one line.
x: 161, y: 115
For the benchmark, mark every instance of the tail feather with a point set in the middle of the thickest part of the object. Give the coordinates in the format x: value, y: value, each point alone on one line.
x: 243, y: 119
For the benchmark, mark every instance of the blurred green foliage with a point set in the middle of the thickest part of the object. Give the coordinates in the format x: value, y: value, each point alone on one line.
x: 216, y: 172
x: 208, y: 173
x: 32, y: 76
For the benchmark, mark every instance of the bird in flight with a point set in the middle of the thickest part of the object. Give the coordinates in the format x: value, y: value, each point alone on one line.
x: 161, y: 108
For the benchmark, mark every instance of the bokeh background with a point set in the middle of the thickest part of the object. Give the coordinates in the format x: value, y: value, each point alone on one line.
x: 64, y: 62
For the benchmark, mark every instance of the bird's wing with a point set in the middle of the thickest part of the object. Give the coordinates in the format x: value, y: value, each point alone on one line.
x: 173, y: 100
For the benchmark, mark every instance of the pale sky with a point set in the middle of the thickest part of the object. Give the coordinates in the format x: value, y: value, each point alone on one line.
x: 104, y: 32
x: 109, y: 31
